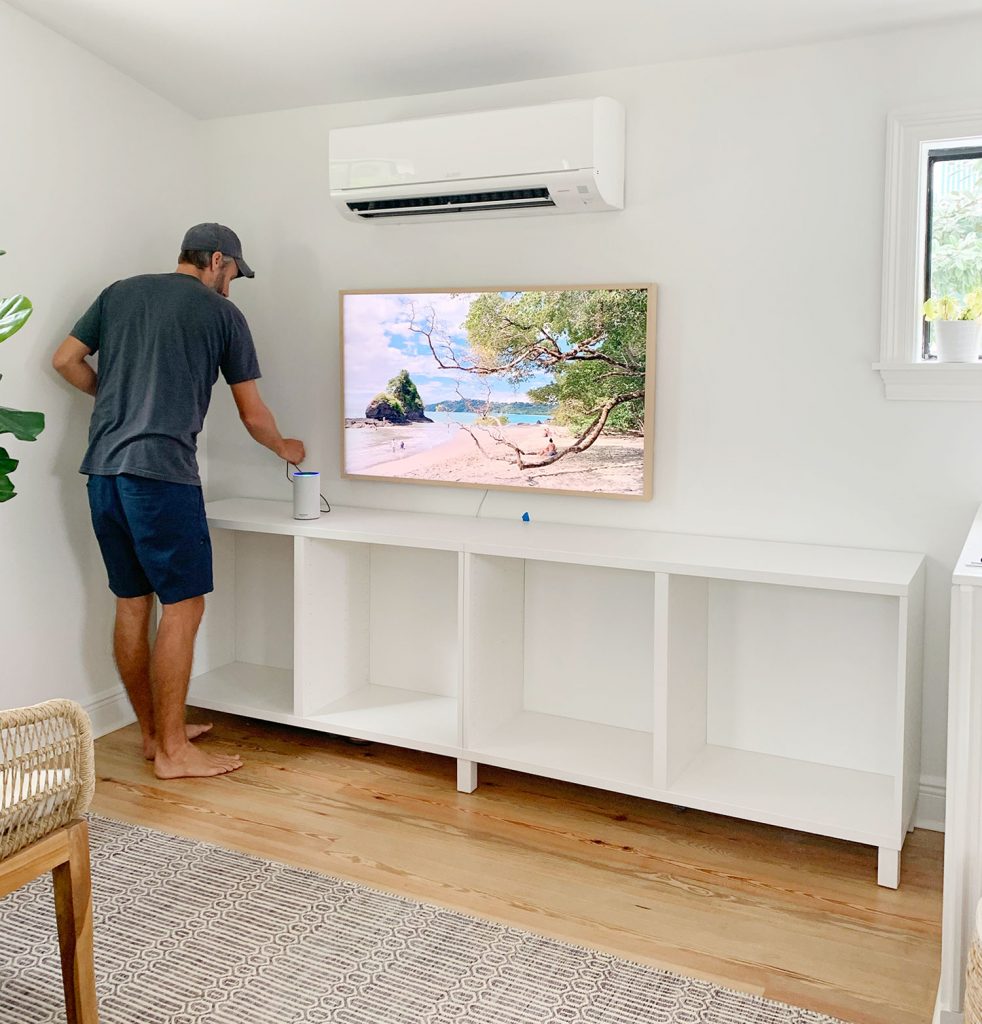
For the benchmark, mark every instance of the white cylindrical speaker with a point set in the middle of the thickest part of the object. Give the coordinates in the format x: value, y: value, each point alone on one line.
x: 306, y: 495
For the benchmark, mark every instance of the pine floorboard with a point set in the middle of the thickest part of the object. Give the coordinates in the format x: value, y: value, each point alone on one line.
x: 789, y: 916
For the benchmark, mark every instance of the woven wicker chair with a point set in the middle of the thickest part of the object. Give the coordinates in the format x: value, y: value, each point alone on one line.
x: 46, y: 783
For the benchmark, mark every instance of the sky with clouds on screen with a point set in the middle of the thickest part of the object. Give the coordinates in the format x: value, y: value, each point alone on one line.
x: 378, y: 344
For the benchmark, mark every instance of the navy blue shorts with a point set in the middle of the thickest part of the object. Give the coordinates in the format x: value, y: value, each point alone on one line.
x: 153, y: 536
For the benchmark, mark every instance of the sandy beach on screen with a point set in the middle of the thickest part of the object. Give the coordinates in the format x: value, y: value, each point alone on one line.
x: 613, y: 464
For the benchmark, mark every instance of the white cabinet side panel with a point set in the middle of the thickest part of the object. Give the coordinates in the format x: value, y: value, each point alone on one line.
x: 495, y: 622
x: 911, y: 643
x: 264, y: 599
x: 803, y: 673
x: 589, y: 634
x: 333, y: 621
x: 963, y: 803
x: 215, y: 645
x: 414, y: 619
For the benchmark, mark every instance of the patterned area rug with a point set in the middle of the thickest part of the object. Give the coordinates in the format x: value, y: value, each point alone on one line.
x: 188, y: 933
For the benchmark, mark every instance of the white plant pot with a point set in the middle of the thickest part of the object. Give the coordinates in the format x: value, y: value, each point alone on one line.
x: 958, y: 341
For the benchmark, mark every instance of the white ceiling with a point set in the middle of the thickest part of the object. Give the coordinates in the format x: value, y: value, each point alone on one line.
x: 222, y: 57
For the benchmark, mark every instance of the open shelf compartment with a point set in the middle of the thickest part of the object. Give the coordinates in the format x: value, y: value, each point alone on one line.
x: 559, y: 670
x: 378, y: 642
x: 784, y: 705
x: 244, y: 656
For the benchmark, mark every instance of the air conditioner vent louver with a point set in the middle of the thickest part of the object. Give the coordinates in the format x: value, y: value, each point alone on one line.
x: 467, y: 202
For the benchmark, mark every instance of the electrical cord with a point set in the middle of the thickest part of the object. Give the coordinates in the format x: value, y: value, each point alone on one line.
x: 299, y: 470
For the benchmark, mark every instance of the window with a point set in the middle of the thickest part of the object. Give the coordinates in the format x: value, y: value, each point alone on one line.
x: 932, y: 246
x: 953, y: 228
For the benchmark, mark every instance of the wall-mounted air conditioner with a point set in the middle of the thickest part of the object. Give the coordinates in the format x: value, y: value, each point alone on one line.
x: 565, y: 157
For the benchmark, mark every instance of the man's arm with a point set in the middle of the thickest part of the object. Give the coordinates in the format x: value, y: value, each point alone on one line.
x: 258, y: 420
x: 69, y: 361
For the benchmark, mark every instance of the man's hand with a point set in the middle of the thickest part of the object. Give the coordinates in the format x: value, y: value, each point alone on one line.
x: 293, y: 451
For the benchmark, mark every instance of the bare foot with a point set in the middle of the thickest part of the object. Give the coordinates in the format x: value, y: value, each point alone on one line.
x: 192, y: 762
x: 193, y: 731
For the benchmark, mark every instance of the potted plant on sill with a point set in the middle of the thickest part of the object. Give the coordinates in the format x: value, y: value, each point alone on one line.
x: 958, y: 327
x: 25, y: 426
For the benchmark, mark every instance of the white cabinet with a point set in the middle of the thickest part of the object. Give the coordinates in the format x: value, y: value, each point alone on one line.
x: 963, y: 782
x: 784, y: 706
x: 559, y: 670
x: 774, y: 682
x: 378, y: 642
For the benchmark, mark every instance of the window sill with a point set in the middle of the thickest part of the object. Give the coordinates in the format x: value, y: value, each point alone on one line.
x: 932, y: 382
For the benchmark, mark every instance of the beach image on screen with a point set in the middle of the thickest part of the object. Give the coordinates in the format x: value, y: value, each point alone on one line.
x: 545, y: 390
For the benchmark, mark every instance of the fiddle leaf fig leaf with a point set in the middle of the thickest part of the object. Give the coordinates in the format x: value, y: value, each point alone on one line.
x: 13, y: 315
x: 25, y: 426
x: 7, y: 464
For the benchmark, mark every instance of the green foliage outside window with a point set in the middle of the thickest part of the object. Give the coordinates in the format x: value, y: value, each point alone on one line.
x: 956, y: 235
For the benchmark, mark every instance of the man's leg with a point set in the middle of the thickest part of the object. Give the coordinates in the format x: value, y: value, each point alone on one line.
x: 170, y: 674
x: 131, y: 647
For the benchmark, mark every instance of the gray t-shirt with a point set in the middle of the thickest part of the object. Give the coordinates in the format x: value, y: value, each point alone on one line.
x: 161, y: 339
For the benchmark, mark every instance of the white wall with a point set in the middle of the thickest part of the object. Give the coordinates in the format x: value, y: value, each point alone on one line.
x: 93, y: 187
x: 755, y: 197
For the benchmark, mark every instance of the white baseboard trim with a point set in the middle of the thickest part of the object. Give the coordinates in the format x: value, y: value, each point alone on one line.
x: 929, y: 812
x: 109, y: 711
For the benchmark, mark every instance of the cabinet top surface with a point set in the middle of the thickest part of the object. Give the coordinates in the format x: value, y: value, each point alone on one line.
x: 857, y: 569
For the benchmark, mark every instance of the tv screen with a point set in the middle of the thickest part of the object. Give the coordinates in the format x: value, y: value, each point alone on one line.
x: 546, y: 389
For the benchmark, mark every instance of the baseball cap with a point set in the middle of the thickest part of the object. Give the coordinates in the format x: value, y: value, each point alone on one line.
x: 217, y: 238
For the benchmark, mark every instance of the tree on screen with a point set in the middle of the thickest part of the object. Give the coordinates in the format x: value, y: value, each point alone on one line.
x: 592, y: 344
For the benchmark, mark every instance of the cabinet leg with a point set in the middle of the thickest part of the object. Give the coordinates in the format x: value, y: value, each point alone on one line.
x: 888, y: 868
x: 466, y: 776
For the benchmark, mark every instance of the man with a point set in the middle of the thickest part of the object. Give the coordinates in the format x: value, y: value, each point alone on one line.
x: 162, y: 340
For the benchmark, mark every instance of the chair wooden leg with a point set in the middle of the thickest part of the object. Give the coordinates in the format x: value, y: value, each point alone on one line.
x: 73, y: 905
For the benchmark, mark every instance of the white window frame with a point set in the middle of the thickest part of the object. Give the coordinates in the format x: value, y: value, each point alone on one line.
x: 911, y: 134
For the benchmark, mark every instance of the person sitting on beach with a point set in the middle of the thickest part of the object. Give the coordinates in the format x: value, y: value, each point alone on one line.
x: 550, y: 448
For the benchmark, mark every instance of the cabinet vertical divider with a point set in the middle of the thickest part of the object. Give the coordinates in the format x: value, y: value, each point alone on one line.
x: 660, y: 682
x: 463, y: 645
x: 300, y: 612
x: 369, y: 676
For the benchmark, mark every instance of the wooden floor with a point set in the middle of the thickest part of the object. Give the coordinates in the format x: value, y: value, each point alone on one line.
x: 792, y: 917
